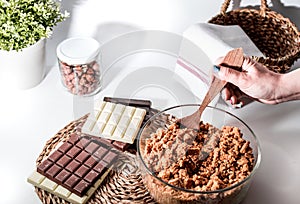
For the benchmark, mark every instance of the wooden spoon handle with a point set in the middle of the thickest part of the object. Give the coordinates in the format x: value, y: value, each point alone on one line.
x: 215, y: 88
x: 233, y: 59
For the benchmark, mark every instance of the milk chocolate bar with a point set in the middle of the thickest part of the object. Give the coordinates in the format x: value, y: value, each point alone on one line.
x: 77, y: 164
x: 121, y: 146
x: 114, y: 121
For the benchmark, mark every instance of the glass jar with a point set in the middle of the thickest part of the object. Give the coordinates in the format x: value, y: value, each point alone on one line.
x: 79, y: 64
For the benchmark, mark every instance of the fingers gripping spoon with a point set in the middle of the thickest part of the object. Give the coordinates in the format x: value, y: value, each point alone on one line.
x: 233, y: 59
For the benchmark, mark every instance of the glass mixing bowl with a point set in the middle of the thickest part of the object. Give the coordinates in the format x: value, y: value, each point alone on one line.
x: 164, y: 191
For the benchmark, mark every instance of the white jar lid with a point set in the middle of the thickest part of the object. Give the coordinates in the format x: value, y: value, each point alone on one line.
x: 78, y: 50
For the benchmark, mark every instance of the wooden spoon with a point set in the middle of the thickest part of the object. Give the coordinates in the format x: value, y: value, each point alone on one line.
x: 233, y: 59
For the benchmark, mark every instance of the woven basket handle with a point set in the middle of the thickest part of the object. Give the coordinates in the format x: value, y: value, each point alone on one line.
x: 263, y: 6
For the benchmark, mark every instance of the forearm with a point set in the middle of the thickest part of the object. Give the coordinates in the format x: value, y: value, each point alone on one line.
x: 289, y: 86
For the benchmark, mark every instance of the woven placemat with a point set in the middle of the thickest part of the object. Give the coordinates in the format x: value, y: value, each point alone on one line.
x: 123, y: 185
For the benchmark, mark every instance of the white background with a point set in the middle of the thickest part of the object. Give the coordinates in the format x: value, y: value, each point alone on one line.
x: 29, y: 118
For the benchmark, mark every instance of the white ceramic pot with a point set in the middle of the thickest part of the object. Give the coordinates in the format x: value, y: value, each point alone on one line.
x: 23, y: 69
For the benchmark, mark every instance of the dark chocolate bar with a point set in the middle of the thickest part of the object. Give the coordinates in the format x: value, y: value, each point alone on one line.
x: 78, y: 163
x: 129, y: 102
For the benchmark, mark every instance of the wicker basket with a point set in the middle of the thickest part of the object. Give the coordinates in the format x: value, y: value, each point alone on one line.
x: 123, y: 185
x: 274, y: 35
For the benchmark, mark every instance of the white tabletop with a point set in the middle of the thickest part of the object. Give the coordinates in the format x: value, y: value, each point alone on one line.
x: 29, y: 118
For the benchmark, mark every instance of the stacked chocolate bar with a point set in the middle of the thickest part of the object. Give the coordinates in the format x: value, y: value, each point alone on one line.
x: 116, y: 121
x: 77, y: 167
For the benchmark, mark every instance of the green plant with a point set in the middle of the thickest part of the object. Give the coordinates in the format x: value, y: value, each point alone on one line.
x: 24, y: 22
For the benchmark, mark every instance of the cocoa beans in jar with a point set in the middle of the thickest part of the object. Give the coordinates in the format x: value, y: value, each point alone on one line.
x: 79, y: 64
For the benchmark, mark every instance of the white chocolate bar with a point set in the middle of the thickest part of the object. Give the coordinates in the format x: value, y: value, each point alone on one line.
x: 108, y: 130
x: 119, y: 131
x: 46, y: 184
x: 88, y: 125
x: 104, y: 116
x: 119, y: 108
x: 109, y: 107
x: 62, y: 192
x: 124, y: 120
x: 99, y: 105
x: 98, y: 128
x: 114, y: 121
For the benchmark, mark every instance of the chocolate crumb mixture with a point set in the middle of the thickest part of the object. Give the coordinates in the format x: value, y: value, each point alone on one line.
x: 207, y: 160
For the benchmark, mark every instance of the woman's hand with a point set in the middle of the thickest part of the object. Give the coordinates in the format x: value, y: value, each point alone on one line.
x: 256, y: 81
